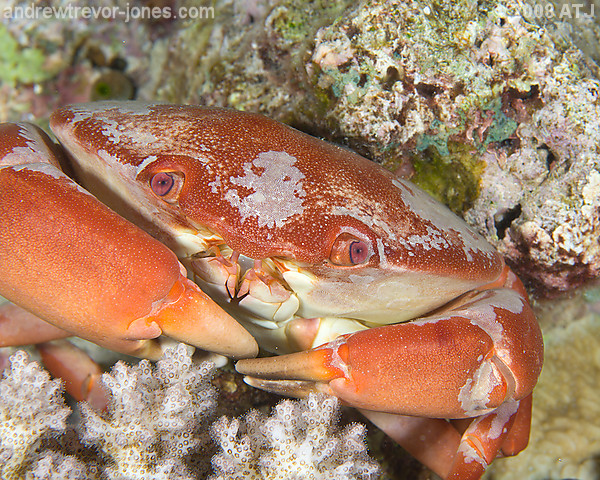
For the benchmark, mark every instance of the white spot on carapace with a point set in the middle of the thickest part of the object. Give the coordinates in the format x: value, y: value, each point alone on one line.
x: 118, y: 133
x: 277, y: 191
x: 474, y: 395
x: 112, y: 168
x: 108, y: 159
x: 367, y: 219
x: 147, y: 161
x: 383, y: 262
x: 443, y: 220
x: 432, y: 239
x: 83, y: 111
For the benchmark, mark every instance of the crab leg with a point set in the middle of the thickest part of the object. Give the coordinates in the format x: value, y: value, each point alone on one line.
x: 20, y: 327
x: 437, y: 444
x: 78, y: 371
x: 433, y: 441
x: 474, y: 359
x: 73, y: 262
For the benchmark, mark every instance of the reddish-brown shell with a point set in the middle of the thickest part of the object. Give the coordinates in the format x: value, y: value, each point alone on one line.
x: 270, y: 190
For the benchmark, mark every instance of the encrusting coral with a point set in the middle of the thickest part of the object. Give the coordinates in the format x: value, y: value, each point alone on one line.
x: 298, y: 441
x: 157, y: 425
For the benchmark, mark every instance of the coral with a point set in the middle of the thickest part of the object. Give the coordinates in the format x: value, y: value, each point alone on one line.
x: 269, y: 38
x: 31, y: 405
x: 55, y: 466
x: 547, y: 191
x: 298, y: 441
x: 157, y: 425
x: 65, y: 457
x: 19, y: 64
x: 156, y: 416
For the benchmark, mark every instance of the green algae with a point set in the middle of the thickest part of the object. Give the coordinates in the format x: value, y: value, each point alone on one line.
x: 20, y: 64
x: 296, y: 21
x: 453, y: 179
x: 502, y: 127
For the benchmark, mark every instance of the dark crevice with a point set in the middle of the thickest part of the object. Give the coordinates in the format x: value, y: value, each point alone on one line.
x: 392, y: 75
x: 550, y: 157
x: 531, y: 94
x: 426, y: 90
x: 502, y: 221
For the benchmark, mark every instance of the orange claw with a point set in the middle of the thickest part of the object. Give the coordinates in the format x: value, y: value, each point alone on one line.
x: 447, y: 365
x: 478, y: 359
x: 73, y: 262
x: 177, y: 316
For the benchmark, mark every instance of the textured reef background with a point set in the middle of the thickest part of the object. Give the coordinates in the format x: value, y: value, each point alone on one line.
x: 493, y: 107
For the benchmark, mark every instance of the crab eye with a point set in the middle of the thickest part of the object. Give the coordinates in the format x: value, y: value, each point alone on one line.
x: 162, y: 183
x: 167, y: 185
x: 347, y: 250
x: 358, y: 252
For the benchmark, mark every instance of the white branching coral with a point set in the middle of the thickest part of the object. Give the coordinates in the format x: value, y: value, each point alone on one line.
x: 156, y: 417
x: 56, y: 466
x: 157, y: 426
x: 31, y: 404
x: 298, y: 441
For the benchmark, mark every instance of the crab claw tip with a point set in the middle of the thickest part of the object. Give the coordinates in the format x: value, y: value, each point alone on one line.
x: 292, y: 388
x: 311, y: 365
x: 194, y: 318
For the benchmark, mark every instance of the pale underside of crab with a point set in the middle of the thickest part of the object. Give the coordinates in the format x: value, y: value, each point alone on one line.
x: 367, y: 287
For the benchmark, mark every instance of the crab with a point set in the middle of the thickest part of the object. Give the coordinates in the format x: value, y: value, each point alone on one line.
x: 363, y: 285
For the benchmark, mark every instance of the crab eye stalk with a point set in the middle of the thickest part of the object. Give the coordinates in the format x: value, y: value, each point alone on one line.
x: 166, y: 185
x: 347, y: 250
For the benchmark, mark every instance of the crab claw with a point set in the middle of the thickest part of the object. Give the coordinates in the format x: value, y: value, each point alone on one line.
x: 479, y: 359
x: 458, y: 363
x: 73, y: 262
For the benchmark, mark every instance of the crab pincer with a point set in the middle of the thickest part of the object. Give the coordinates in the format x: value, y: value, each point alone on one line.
x: 134, y: 287
x: 469, y: 360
